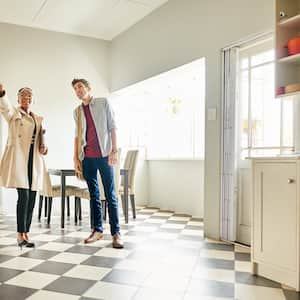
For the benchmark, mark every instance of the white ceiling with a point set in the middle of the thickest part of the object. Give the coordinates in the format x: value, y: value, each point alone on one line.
x: 103, y: 19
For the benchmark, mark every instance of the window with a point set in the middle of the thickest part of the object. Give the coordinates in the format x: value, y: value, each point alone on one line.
x: 164, y: 114
x: 266, y: 123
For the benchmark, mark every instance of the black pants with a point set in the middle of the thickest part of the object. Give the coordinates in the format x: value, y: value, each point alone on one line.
x: 26, y: 200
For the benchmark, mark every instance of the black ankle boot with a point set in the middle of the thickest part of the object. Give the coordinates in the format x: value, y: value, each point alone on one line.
x: 22, y: 243
x: 29, y: 244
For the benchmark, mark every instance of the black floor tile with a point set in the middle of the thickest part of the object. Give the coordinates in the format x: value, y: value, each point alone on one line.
x: 14, y: 292
x: 291, y: 295
x: 6, y: 274
x: 52, y: 267
x: 40, y: 254
x: 83, y: 249
x: 216, y: 263
x: 221, y: 247
x: 100, y: 261
x: 247, y: 278
x: 70, y: 285
x: 242, y: 256
x: 125, y: 277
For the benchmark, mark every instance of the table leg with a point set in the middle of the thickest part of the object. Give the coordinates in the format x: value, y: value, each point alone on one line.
x: 63, y: 191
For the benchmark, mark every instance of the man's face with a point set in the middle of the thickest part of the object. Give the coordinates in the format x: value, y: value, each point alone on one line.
x: 81, y: 90
x: 25, y: 98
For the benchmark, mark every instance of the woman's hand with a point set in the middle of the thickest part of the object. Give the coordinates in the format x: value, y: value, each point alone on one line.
x: 113, y: 157
x: 43, y: 149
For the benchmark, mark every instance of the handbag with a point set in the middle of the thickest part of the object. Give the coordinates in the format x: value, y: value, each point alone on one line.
x: 79, y: 172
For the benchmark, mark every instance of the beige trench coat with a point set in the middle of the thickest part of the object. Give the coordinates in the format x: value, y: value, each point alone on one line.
x: 14, y: 162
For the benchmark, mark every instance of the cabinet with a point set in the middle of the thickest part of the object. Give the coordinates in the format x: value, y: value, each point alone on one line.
x: 275, y: 218
x: 287, y: 67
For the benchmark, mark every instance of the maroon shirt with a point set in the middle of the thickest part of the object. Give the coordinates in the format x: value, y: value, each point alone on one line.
x: 92, y: 148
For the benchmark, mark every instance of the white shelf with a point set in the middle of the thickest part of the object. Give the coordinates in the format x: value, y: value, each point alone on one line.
x: 292, y: 59
x: 291, y: 23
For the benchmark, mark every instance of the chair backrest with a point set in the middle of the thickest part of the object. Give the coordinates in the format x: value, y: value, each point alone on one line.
x: 130, y: 163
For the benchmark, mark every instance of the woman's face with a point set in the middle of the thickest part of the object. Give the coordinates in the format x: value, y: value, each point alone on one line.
x: 25, y: 98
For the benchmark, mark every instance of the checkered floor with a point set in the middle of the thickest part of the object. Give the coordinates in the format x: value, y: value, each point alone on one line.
x: 165, y: 257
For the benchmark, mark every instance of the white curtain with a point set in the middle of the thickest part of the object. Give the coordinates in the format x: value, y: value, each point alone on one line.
x: 228, y: 165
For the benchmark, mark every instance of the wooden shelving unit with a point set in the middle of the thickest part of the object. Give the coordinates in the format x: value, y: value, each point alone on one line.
x: 291, y: 23
x: 287, y: 68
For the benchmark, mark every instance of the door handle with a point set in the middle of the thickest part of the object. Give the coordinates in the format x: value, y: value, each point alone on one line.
x: 291, y: 180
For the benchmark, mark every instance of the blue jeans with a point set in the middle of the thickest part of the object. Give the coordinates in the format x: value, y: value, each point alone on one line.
x: 90, y: 168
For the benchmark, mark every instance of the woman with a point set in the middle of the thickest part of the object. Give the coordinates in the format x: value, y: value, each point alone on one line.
x: 22, y: 166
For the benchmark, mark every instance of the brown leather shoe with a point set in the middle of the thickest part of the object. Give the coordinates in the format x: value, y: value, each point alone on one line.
x: 94, y: 236
x: 117, y: 242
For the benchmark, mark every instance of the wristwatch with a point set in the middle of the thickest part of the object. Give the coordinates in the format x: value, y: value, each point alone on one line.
x: 2, y: 94
x: 114, y: 151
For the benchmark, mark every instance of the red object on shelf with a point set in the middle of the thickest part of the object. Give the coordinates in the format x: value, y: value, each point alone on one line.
x: 294, y: 45
x: 280, y: 90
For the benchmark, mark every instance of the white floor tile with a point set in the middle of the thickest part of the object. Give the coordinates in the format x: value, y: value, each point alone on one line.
x: 87, y: 272
x: 163, y: 214
x: 195, y: 296
x: 243, y: 266
x: 172, y: 226
x: 79, y: 234
x: 71, y: 258
x: 53, y: 246
x: 144, y: 228
x: 217, y: 254
x: 254, y: 292
x: 195, y: 223
x: 111, y: 291
x: 155, y: 221
x: 136, y: 265
x: 179, y: 218
x: 47, y: 295
x: 192, y: 232
x: 164, y: 235
x: 14, y: 250
x: 111, y: 252
x: 133, y: 239
x: 151, y: 294
x: 214, y: 274
x: 4, y: 233
x: 46, y: 237
x: 32, y: 280
x: 5, y: 241
x: 167, y: 281
x: 21, y: 263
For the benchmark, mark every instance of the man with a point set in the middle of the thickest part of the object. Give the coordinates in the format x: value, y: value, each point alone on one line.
x: 98, y: 153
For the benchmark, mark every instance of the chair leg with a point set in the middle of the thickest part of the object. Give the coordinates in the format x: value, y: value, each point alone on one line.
x: 46, y: 206
x: 68, y: 206
x: 79, y: 208
x: 49, y: 209
x: 76, y: 210
x: 40, y: 208
x: 103, y: 209
x: 133, y: 206
x: 123, y: 204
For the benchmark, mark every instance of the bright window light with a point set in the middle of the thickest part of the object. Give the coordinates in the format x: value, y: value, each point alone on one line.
x: 164, y: 114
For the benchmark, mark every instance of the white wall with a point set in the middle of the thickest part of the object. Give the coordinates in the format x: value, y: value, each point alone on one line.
x: 176, y: 185
x: 180, y: 32
x: 47, y: 62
